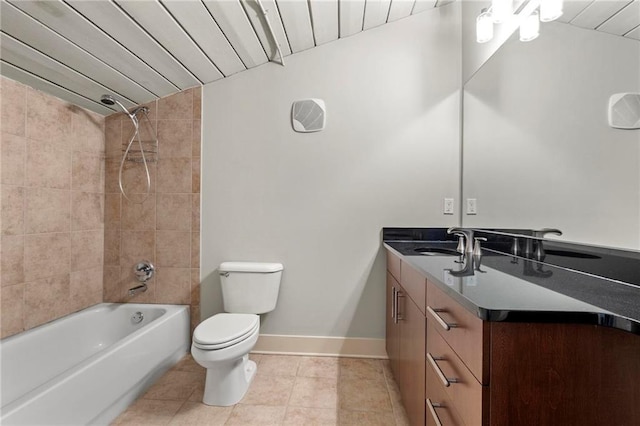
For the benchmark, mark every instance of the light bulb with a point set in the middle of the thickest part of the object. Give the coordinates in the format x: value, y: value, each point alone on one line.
x: 530, y: 27
x: 550, y: 10
x: 501, y: 10
x: 484, y: 27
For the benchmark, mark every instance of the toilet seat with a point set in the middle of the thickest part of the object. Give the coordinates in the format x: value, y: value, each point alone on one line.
x: 224, y: 330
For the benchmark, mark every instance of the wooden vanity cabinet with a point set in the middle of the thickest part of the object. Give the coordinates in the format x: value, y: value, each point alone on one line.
x: 502, y: 373
x: 406, y: 335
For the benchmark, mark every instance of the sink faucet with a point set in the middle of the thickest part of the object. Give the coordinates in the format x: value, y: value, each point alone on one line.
x: 539, y: 234
x: 468, y: 237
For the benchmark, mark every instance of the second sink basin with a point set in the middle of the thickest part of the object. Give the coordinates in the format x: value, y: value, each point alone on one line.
x: 436, y: 251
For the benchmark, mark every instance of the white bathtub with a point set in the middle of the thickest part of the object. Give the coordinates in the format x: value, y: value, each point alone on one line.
x: 87, y: 367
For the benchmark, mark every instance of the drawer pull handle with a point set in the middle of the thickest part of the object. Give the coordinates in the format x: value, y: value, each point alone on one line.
x: 446, y: 325
x: 399, y: 317
x: 445, y: 381
x: 432, y: 409
x: 393, y: 303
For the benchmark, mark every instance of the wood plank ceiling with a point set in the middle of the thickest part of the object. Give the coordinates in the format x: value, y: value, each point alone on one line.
x: 140, y: 50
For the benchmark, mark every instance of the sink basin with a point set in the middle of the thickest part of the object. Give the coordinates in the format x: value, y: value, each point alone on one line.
x: 567, y: 253
x: 436, y: 251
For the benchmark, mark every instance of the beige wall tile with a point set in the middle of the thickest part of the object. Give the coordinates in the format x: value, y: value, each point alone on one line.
x: 13, y: 158
x: 195, y: 212
x: 195, y: 249
x: 195, y: 287
x: 12, y: 312
x: 45, y: 300
x: 147, y: 130
x: 173, y: 285
x: 87, y: 211
x: 175, y: 138
x: 173, y: 248
x: 112, y: 211
x: 112, y: 247
x: 88, y: 130
x: 87, y: 248
x: 173, y: 212
x: 195, y: 175
x: 139, y: 216
x: 48, y: 119
x: 12, y: 210
x: 177, y: 106
x: 47, y: 165
x: 197, y: 102
x: 196, y: 144
x: 87, y: 172
x: 46, y: 210
x: 12, y: 259
x: 46, y: 255
x: 137, y: 246
x: 111, y: 170
x: 113, y: 135
x: 134, y: 177
x: 86, y: 288
x: 112, y: 290
x: 174, y: 175
x: 13, y: 106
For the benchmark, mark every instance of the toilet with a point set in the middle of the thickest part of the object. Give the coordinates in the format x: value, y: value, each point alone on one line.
x: 221, y: 343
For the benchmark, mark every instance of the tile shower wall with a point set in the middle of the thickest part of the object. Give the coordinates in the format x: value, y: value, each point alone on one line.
x: 52, y: 207
x: 163, y: 226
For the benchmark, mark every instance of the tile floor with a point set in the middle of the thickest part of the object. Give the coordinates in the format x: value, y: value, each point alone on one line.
x: 287, y: 390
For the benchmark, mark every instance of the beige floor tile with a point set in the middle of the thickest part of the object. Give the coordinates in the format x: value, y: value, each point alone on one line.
x: 258, y: 415
x: 326, y: 367
x: 358, y: 368
x: 189, y: 364
x: 256, y: 358
x: 400, y: 415
x: 278, y: 365
x: 297, y: 416
x: 175, y: 385
x: 269, y: 390
x: 197, y: 414
x: 314, y: 392
x: 363, y: 395
x: 148, y: 412
x: 368, y: 418
x: 198, y: 393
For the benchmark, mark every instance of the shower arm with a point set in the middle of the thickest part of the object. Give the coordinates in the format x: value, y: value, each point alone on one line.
x: 273, y: 35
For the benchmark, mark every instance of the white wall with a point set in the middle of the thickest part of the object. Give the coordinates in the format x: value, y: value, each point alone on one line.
x: 317, y: 202
x: 538, y: 151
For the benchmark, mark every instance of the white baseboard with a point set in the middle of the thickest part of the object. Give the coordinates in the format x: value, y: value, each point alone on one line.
x: 320, y: 346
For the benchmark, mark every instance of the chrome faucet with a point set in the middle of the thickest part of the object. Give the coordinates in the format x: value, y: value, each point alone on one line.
x: 468, y: 238
x: 143, y: 271
x: 539, y: 235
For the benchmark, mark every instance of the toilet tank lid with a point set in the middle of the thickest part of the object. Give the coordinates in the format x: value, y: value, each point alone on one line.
x: 250, y: 267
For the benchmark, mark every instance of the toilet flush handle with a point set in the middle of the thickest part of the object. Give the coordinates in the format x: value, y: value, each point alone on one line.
x: 224, y: 274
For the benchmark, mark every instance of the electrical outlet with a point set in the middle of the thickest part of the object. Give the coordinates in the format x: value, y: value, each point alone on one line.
x: 472, y: 207
x: 448, y: 206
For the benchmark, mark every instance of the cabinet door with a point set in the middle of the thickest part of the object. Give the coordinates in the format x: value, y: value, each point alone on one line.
x: 412, y: 355
x: 392, y: 326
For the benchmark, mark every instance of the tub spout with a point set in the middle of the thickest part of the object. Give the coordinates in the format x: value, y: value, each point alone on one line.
x: 137, y: 289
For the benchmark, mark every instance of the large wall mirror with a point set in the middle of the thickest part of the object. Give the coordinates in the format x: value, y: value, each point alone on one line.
x: 538, y: 149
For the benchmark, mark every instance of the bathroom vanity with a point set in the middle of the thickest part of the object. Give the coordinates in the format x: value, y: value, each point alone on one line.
x: 511, y: 340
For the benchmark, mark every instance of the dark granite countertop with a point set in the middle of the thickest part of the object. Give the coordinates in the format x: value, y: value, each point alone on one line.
x: 517, y: 289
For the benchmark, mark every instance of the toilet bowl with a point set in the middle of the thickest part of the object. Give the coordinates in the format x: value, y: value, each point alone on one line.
x: 221, y: 343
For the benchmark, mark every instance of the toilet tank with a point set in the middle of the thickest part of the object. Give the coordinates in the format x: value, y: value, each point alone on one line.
x: 250, y: 287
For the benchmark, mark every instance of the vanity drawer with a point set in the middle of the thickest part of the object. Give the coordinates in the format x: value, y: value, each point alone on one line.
x: 415, y: 284
x: 439, y: 409
x: 463, y: 390
x: 393, y: 265
x: 467, y: 334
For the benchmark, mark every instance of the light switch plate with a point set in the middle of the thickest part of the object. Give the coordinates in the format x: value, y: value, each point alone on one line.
x: 472, y: 206
x: 448, y: 206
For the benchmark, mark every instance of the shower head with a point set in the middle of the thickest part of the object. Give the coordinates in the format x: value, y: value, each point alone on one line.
x: 110, y: 100
x: 107, y: 100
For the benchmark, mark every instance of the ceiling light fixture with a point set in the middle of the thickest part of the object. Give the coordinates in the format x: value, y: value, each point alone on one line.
x: 528, y: 18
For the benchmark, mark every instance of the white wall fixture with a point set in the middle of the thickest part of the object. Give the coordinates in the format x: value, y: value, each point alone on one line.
x: 527, y: 18
x: 624, y: 111
x: 308, y: 115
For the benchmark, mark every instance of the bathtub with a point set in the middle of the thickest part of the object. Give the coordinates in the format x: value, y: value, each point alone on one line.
x: 88, y: 367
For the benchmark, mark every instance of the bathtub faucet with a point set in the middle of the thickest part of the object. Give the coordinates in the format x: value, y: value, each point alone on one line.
x: 137, y: 289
